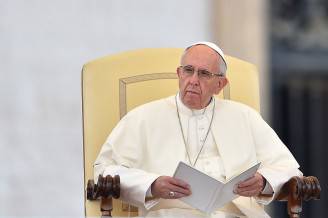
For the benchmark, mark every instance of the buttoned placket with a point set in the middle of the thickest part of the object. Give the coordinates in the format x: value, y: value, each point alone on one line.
x: 195, y: 124
x: 209, y: 161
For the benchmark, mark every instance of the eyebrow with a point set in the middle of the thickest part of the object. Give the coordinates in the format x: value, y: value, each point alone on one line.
x: 198, y: 68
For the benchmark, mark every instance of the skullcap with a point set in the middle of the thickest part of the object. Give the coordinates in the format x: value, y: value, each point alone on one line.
x: 212, y: 46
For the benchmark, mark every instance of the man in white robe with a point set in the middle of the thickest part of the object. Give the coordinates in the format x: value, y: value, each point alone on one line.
x: 219, y: 137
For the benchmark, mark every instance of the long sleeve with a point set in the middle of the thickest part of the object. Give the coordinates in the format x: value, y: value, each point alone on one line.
x: 121, y: 155
x: 278, y: 164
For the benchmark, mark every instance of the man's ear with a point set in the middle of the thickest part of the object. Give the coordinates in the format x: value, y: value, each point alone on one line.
x: 178, y: 71
x: 223, y: 81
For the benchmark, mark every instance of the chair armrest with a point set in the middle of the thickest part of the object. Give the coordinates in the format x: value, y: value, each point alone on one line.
x: 298, y: 189
x: 294, y: 191
x: 106, y: 188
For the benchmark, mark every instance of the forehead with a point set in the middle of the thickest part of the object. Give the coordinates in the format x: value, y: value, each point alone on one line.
x: 200, y: 56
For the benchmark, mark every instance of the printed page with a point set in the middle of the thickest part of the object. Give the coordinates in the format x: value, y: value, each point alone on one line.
x: 203, y: 187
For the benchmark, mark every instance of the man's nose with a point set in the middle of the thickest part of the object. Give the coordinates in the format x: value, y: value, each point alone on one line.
x: 194, y: 79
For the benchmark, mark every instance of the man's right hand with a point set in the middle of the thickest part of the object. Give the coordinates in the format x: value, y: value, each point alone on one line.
x: 169, y: 188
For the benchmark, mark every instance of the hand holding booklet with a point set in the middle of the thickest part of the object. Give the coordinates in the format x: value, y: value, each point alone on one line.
x: 209, y: 194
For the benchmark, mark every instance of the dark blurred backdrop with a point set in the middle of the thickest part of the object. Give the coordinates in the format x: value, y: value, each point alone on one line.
x: 299, y: 72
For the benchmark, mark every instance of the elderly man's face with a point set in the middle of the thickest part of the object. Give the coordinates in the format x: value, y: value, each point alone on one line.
x: 196, y: 92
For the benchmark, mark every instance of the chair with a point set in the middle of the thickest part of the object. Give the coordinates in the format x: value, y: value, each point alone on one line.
x: 115, y: 84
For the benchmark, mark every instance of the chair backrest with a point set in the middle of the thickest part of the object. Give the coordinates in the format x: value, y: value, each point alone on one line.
x: 115, y: 84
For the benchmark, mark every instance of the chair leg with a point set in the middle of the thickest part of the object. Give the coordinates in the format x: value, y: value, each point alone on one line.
x: 294, y: 207
x: 106, y: 207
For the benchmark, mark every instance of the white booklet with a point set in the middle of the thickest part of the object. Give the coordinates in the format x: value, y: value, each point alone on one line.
x: 209, y: 194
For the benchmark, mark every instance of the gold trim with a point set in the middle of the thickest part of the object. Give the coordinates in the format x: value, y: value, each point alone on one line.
x: 123, y: 82
x: 83, y: 139
x: 226, y: 91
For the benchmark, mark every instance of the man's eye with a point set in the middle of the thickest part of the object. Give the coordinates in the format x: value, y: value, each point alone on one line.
x: 188, y: 70
x: 204, y: 73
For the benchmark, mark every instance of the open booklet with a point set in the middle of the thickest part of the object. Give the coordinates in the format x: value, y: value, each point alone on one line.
x: 209, y: 194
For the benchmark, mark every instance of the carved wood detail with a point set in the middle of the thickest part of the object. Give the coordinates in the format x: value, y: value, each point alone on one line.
x: 107, y: 188
x: 297, y: 190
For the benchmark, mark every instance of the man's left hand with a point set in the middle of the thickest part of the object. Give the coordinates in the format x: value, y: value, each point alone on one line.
x: 251, y: 187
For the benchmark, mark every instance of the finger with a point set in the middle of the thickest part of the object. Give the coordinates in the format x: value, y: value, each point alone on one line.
x: 255, y: 184
x: 251, y: 191
x: 165, y: 184
x: 184, y: 191
x: 248, y: 193
x: 248, y: 189
x: 175, y: 196
x: 179, y: 182
x: 248, y: 182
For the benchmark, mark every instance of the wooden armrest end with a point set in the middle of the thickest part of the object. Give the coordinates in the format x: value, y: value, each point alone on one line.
x: 298, y: 189
x: 106, y: 188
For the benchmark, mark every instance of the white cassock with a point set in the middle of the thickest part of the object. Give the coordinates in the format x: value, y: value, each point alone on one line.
x: 148, y: 143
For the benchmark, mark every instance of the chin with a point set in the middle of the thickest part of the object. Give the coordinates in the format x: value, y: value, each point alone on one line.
x: 193, y: 105
x: 192, y: 101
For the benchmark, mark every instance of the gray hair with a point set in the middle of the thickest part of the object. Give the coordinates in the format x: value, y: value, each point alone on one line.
x: 222, y: 64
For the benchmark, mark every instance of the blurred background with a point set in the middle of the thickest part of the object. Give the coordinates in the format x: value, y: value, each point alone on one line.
x: 44, y: 44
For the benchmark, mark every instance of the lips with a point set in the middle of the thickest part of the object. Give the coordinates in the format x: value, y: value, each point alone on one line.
x: 192, y: 92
